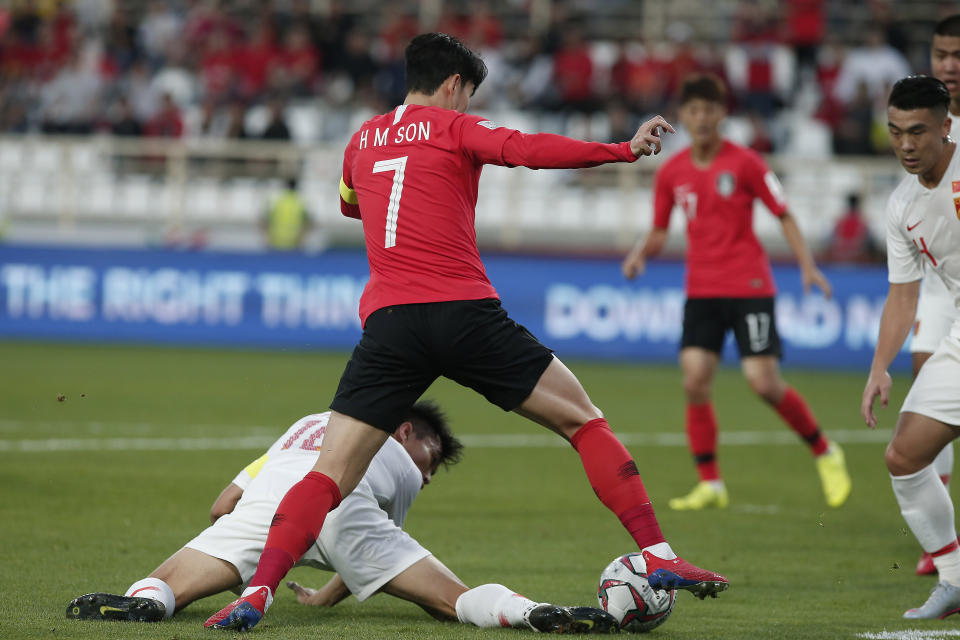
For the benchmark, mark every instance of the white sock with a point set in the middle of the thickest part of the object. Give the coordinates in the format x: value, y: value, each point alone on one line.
x: 155, y: 589
x: 493, y: 605
x: 948, y: 567
x: 662, y: 550
x: 717, y: 485
x: 943, y: 464
x: 927, y: 508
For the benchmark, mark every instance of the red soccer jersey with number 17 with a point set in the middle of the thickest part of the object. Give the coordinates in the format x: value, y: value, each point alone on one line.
x: 724, y: 257
x: 411, y: 175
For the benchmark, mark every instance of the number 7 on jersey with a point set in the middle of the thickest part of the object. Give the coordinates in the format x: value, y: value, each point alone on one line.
x: 397, y: 165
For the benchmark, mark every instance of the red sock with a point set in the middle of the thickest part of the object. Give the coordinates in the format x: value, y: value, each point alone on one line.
x: 614, y: 477
x: 702, y: 437
x: 794, y: 410
x: 295, y: 527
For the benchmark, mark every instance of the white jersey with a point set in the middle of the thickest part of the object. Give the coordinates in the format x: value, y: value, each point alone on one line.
x: 923, y: 232
x: 361, y: 539
x: 935, y: 314
x: 392, y: 480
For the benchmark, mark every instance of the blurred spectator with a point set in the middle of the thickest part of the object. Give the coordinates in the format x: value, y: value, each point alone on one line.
x: 875, y: 65
x: 356, y: 61
x: 277, y: 128
x: 751, y: 59
x: 636, y: 78
x: 255, y: 59
x: 123, y: 122
x: 236, y: 117
x: 851, y: 240
x: 159, y: 28
x: 286, y: 222
x: 805, y: 30
x: 140, y: 92
x: 120, y: 41
x: 220, y: 60
x: 573, y: 73
x: 760, y: 140
x: 852, y: 135
x: 167, y: 123
x: 296, y: 66
x: 71, y: 100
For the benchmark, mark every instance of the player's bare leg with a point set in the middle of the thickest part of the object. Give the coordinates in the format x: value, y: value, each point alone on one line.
x: 347, y: 449
x: 560, y: 403
x: 925, y: 504
x: 763, y: 375
x: 185, y: 576
x: 699, y: 366
x: 942, y: 464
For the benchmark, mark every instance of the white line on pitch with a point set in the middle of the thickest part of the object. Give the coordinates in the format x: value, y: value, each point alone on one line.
x: 911, y: 634
x: 479, y: 441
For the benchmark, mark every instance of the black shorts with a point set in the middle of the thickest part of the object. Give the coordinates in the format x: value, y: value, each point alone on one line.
x: 405, y: 348
x: 706, y: 321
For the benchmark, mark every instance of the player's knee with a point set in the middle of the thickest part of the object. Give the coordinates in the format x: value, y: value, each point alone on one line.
x: 898, y: 463
x: 696, y: 389
x: 767, y: 387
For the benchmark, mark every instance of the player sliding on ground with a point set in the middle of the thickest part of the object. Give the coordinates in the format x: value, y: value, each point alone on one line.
x: 729, y: 286
x: 923, y: 232
x: 362, y: 540
x: 429, y: 310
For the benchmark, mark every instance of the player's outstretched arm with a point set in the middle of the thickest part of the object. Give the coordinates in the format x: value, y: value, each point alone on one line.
x: 810, y: 274
x: 326, y: 596
x: 899, y: 312
x: 636, y: 261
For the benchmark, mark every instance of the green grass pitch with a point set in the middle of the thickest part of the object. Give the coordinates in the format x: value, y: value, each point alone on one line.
x: 96, y: 514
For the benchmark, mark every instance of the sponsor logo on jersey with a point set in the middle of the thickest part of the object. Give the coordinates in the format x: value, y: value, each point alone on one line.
x: 726, y: 183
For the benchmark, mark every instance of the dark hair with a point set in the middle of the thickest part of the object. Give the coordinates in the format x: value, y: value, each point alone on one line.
x: 706, y: 86
x: 920, y: 92
x: 428, y: 420
x: 949, y: 26
x: 434, y: 57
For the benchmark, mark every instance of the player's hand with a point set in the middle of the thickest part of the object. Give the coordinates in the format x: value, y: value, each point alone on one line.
x: 877, y: 385
x: 646, y: 141
x: 813, y: 277
x: 633, y: 265
x: 306, y: 595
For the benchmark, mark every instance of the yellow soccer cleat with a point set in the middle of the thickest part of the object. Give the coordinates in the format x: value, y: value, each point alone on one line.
x: 703, y: 496
x: 833, y: 474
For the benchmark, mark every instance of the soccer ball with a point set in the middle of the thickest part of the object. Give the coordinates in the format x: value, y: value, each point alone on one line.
x: 625, y: 594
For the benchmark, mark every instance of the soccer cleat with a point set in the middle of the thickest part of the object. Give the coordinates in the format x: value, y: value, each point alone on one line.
x: 243, y: 613
x: 107, y: 606
x: 680, y: 574
x: 925, y: 566
x: 833, y: 475
x: 549, y: 618
x: 944, y: 600
x: 703, y: 496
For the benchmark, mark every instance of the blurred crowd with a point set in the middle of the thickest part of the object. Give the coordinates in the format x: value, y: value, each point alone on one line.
x: 201, y: 67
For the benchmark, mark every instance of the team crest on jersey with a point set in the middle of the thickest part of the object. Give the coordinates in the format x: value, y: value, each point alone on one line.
x: 726, y: 183
x: 487, y: 124
x: 955, y: 185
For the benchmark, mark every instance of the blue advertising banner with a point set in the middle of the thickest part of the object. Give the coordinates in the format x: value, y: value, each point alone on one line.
x: 581, y: 308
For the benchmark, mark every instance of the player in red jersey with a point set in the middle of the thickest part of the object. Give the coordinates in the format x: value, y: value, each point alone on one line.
x: 429, y: 310
x: 729, y: 286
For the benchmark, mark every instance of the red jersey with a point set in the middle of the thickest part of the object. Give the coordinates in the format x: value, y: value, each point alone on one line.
x: 724, y: 257
x: 411, y: 176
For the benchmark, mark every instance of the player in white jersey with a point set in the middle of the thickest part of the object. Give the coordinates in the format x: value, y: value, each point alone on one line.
x: 362, y: 542
x: 936, y: 310
x: 923, y: 230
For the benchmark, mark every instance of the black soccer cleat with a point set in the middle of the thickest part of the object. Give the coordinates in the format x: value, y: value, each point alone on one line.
x: 548, y: 618
x: 107, y: 606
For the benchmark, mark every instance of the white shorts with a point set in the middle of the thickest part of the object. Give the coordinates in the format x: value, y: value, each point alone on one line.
x: 936, y: 391
x: 936, y: 312
x: 358, y: 541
